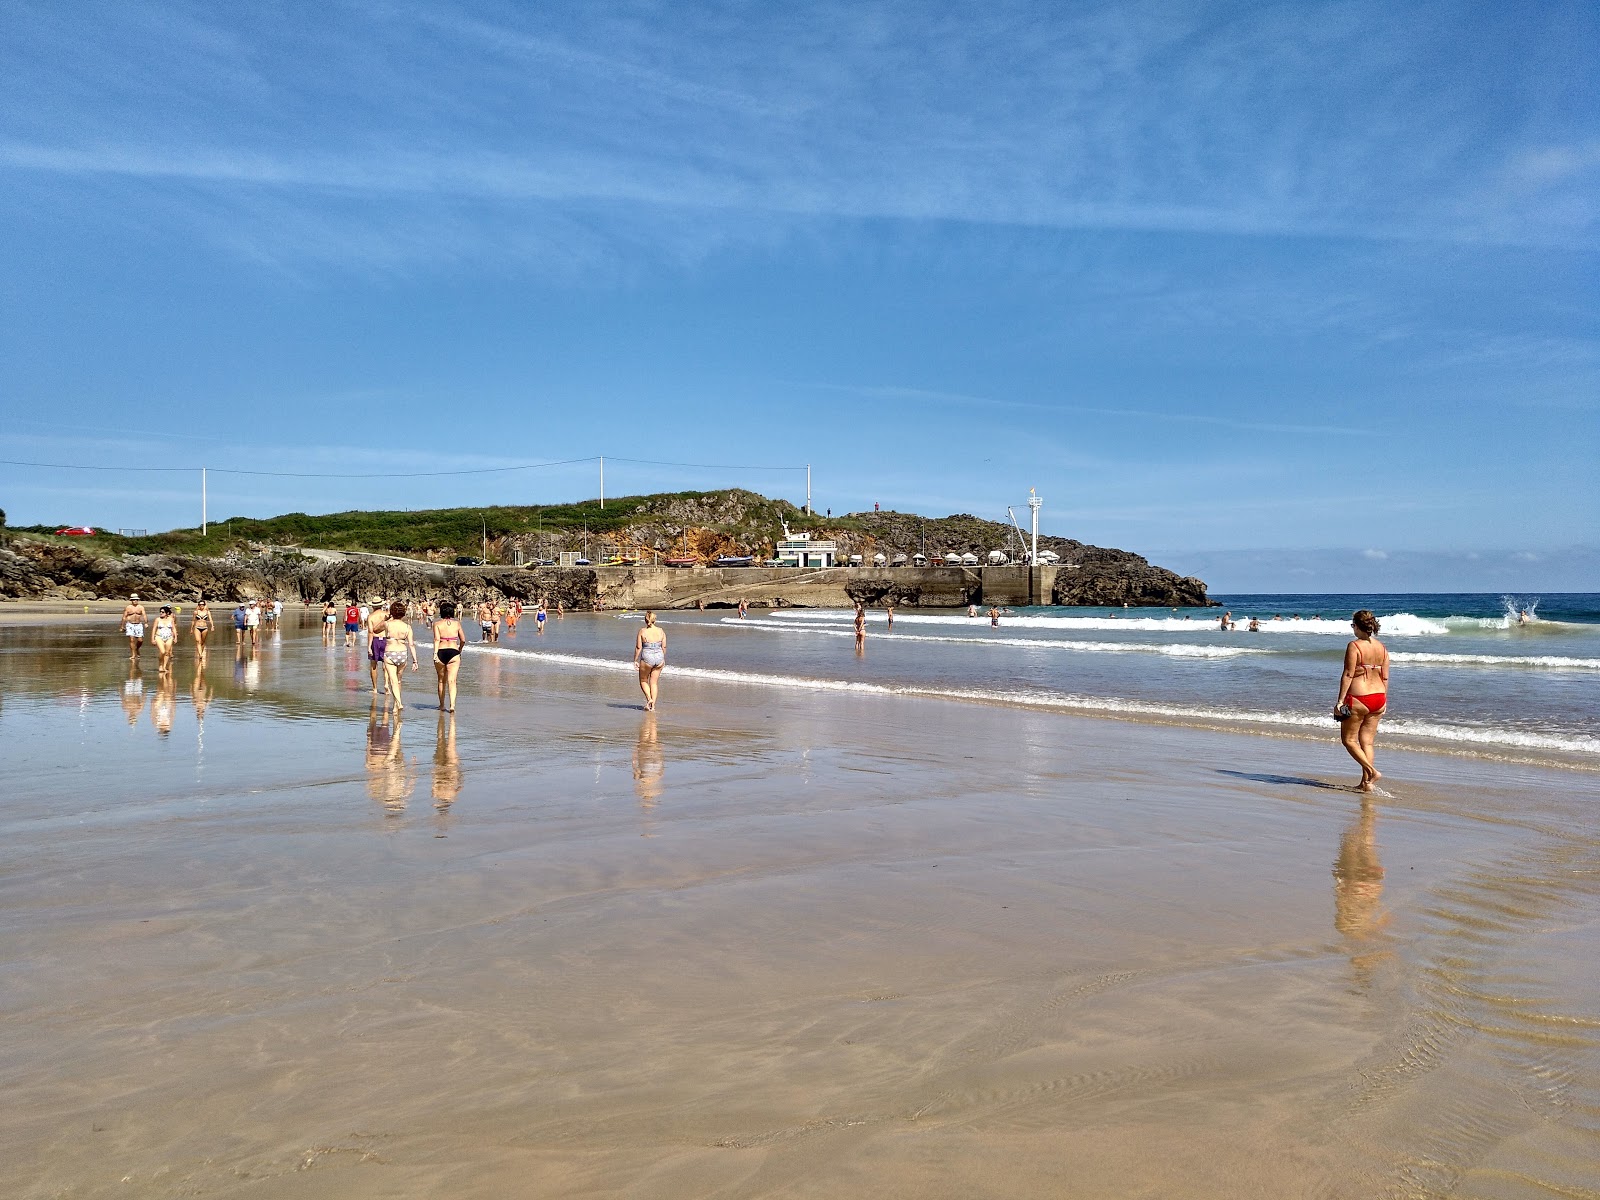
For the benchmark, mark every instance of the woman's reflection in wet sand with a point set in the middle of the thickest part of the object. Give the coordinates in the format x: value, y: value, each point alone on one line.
x: 133, y: 694
x: 200, y: 690
x: 388, y: 781
x: 649, y: 765
x: 164, y: 702
x: 446, y: 765
x: 1358, y: 911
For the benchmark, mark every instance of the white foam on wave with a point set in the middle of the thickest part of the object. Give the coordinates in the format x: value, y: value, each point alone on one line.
x: 843, y: 629
x: 1556, y: 662
x: 1394, y: 625
x: 1472, y: 735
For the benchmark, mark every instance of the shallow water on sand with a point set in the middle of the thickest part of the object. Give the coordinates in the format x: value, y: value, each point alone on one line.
x: 262, y: 940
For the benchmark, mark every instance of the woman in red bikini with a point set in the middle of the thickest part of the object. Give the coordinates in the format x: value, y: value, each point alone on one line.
x: 1363, y: 693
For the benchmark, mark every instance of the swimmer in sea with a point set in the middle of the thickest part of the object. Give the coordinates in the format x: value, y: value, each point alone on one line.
x: 165, y: 634
x: 650, y: 655
x: 200, y: 626
x: 1255, y: 625
x: 449, y: 640
x: 972, y: 610
x: 399, y: 647
x: 1363, y: 695
x: 133, y: 619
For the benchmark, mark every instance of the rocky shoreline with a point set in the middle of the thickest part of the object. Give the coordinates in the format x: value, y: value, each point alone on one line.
x: 37, y: 570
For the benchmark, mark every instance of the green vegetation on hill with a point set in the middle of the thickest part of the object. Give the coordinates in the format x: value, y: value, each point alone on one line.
x: 444, y: 532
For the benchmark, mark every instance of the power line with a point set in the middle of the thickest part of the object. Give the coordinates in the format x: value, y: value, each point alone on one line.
x: 565, y: 462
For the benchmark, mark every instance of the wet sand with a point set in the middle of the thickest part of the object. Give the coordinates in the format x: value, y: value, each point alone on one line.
x: 763, y: 944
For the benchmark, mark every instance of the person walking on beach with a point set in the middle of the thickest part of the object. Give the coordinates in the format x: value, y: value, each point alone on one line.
x: 540, y: 617
x: 330, y: 622
x: 133, y: 619
x: 1363, y: 695
x: 352, y: 623
x: 165, y: 634
x: 200, y: 626
x: 399, y: 647
x: 650, y: 655
x: 449, y: 640
x: 377, y: 645
x: 252, y: 622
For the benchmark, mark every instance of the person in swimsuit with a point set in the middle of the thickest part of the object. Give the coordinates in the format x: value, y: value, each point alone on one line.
x: 1363, y: 695
x: 399, y: 647
x: 744, y: 608
x: 994, y: 618
x: 200, y: 625
x: 377, y: 620
x: 561, y: 610
x: 330, y: 623
x: 165, y: 634
x: 449, y: 640
x: 540, y: 617
x: 650, y: 655
x: 133, y: 618
x: 861, y: 623
x: 889, y: 612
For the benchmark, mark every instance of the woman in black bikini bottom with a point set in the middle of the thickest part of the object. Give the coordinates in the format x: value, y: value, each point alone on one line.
x: 448, y: 642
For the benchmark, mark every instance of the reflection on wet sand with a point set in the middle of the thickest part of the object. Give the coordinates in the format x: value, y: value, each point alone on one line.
x: 163, y: 703
x: 446, y: 764
x: 1358, y: 911
x: 388, y: 781
x: 133, y: 694
x: 200, y: 689
x: 649, y: 766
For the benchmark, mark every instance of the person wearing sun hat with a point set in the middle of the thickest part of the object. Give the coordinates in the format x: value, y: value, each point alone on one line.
x: 377, y: 644
x: 133, y: 619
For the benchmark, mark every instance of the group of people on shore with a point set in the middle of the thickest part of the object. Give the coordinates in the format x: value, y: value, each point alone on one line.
x: 391, y: 647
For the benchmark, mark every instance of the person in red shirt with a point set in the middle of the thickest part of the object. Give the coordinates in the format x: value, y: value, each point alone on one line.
x: 352, y: 623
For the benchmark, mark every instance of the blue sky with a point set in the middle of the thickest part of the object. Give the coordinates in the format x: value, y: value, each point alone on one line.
x: 1257, y: 290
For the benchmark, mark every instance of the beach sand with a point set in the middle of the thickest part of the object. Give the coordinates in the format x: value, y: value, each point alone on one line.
x: 765, y: 943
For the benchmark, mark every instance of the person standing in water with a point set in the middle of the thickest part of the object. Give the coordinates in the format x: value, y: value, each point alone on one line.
x: 377, y: 645
x: 744, y: 608
x: 540, y: 617
x: 200, y: 626
x: 165, y: 634
x: 399, y: 647
x: 133, y: 619
x: 994, y: 617
x: 449, y: 640
x: 650, y: 655
x: 861, y: 624
x: 330, y: 622
x: 1363, y: 695
x: 889, y: 612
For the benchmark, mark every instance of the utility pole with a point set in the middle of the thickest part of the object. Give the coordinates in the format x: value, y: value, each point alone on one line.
x: 485, y: 521
x: 602, y: 482
x: 808, y: 489
x: 202, y: 502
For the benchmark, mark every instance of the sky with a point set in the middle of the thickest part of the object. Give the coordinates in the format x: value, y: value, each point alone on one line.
x: 1293, y: 296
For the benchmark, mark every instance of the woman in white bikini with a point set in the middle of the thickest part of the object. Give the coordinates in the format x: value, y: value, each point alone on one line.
x: 1363, y: 695
x: 650, y: 655
x: 399, y: 647
x: 165, y: 635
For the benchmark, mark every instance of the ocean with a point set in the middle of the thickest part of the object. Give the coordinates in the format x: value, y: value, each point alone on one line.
x: 1466, y: 676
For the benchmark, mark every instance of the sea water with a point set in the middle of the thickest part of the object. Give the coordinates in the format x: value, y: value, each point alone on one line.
x: 1467, y: 674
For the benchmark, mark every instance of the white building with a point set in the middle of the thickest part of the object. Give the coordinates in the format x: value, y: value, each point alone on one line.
x: 798, y: 550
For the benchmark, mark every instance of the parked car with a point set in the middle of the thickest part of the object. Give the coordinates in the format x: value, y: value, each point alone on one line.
x: 467, y: 560
x: 75, y: 531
